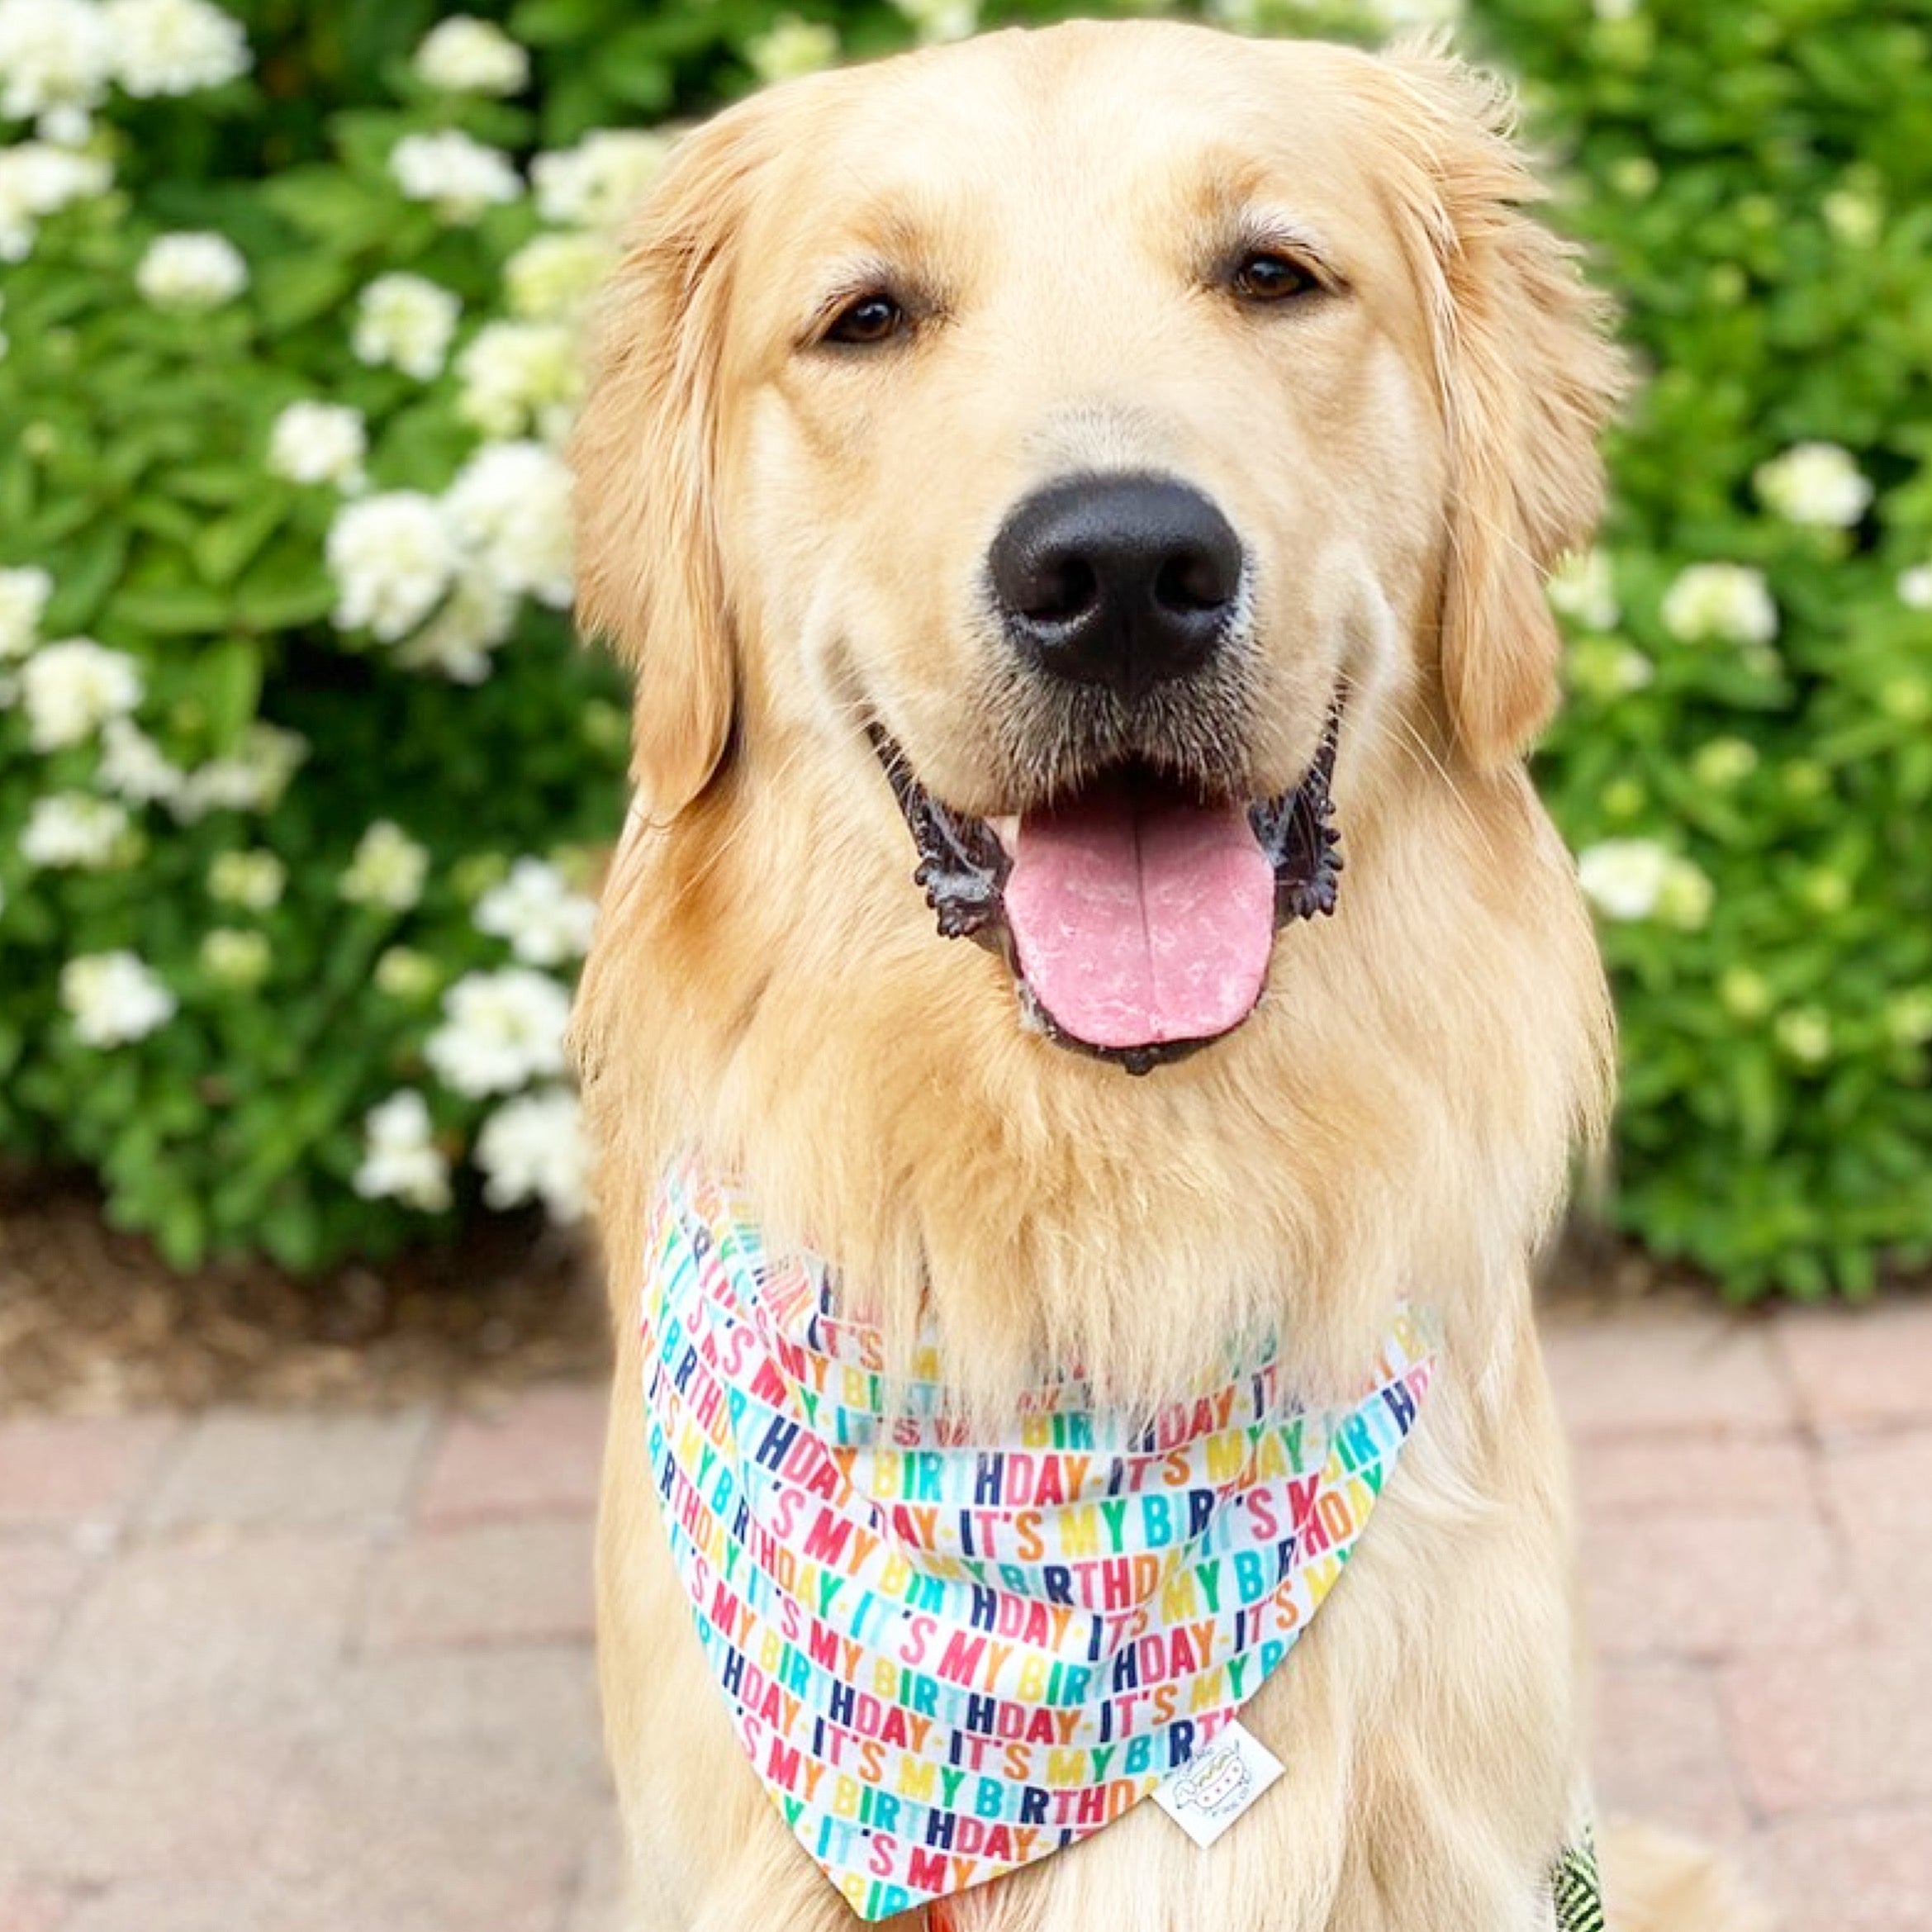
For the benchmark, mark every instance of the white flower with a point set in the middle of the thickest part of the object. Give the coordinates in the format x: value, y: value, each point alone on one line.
x: 1857, y: 220
x: 1815, y: 483
x: 600, y: 182
x: 192, y: 271
x: 550, y: 276
x: 250, y: 878
x: 387, y: 869
x: 1724, y: 601
x: 1722, y: 762
x: 517, y: 375
x: 319, y: 443
x: 236, y: 957
x: 37, y: 180
x: 1686, y: 898
x: 1908, y: 1016
x: 478, y: 614
x: 791, y: 47
x: 465, y: 55
x: 500, y: 1030
x: 134, y: 768
x: 254, y: 779
x: 458, y: 177
x: 533, y: 1149
x: 406, y: 322
x: 113, y: 998
x: 401, y: 1160
x: 1604, y: 668
x: 510, y: 505
x: 1624, y: 877
x: 1915, y: 592
x: 403, y: 973
x: 66, y: 127
x: 941, y: 20
x: 73, y: 829
x: 1400, y: 15
x: 53, y: 54
x: 393, y: 557
x: 70, y: 689
x: 1805, y: 1033
x: 1582, y: 587
x: 1639, y: 879
x: 534, y: 909
x: 23, y: 596
x: 174, y: 46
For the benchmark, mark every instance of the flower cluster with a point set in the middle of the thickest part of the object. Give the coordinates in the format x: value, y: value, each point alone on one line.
x: 320, y: 443
x: 791, y: 47
x: 519, y: 376
x: 1639, y: 879
x: 402, y: 1161
x: 599, y: 184
x: 1726, y: 603
x: 388, y: 869
x: 1815, y: 483
x: 442, y: 577
x: 465, y: 55
x: 406, y: 322
x: 38, y: 179
x: 59, y: 57
x: 191, y: 272
x: 545, y: 920
x: 69, y: 690
x: 113, y: 998
x: 500, y: 1030
x: 458, y: 176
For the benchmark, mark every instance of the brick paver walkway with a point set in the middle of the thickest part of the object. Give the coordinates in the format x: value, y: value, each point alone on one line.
x: 292, y: 1673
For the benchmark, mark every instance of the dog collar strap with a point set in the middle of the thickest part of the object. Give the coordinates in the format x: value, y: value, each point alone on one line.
x: 946, y: 1657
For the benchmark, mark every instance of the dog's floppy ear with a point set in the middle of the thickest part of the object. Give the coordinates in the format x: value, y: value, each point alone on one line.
x: 1528, y: 379
x: 649, y: 576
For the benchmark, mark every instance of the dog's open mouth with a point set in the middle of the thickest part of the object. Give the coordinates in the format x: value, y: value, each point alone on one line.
x: 1138, y: 918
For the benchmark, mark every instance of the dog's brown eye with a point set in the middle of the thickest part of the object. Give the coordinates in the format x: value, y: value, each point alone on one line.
x: 1263, y: 276
x: 872, y: 318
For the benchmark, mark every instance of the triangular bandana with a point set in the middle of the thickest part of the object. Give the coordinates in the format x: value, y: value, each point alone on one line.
x: 945, y: 1657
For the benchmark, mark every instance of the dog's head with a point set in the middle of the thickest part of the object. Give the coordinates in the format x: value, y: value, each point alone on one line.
x: 1083, y: 435
x: 1100, y: 468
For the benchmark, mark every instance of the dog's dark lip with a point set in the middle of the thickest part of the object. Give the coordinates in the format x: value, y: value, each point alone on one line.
x: 963, y: 869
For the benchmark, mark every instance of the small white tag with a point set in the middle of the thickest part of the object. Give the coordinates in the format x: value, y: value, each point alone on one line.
x: 1218, y: 1784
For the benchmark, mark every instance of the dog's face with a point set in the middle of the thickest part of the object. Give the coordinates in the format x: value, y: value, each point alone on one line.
x: 1076, y: 437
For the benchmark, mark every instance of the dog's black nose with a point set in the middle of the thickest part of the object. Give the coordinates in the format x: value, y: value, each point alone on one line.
x: 1123, y: 582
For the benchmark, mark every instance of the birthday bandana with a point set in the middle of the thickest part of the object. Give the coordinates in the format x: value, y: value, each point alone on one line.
x: 948, y: 1656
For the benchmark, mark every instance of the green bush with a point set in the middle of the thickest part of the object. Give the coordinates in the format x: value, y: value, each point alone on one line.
x: 293, y: 839
x: 1746, y: 763
x: 301, y: 773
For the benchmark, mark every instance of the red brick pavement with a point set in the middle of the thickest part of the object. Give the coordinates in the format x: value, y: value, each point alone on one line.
x: 325, y: 1674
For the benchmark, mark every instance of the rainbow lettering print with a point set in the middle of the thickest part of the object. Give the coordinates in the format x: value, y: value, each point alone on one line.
x: 948, y: 1658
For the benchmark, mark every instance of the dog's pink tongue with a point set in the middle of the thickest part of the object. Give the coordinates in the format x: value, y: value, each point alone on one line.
x: 1140, y: 924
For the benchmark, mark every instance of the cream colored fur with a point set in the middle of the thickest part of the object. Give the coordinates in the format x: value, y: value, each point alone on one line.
x: 785, y: 543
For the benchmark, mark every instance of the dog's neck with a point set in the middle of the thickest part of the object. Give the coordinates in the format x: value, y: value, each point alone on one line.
x: 1346, y: 1149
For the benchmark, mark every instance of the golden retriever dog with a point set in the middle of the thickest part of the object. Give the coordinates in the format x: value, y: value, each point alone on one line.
x: 1113, y: 470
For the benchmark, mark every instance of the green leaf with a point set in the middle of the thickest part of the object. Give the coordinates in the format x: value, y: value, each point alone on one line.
x: 549, y: 23
x: 283, y: 603
x: 226, y: 547
x: 173, y: 610
x: 228, y: 679
x: 295, y: 289
x: 85, y: 575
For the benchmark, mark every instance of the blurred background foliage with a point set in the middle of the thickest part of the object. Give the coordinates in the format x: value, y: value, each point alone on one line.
x: 294, y: 854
